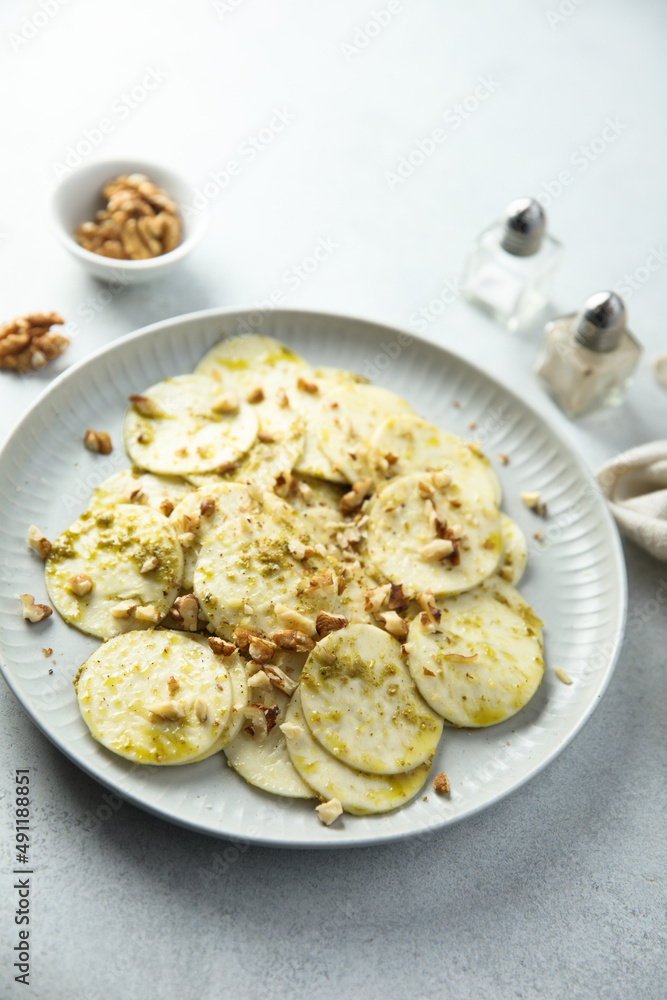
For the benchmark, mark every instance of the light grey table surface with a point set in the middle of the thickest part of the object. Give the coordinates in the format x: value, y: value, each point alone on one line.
x: 559, y: 891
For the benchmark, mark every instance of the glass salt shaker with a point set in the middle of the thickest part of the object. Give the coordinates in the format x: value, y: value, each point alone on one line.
x: 589, y: 357
x: 509, y: 269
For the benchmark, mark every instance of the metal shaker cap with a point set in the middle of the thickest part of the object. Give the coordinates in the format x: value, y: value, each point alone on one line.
x: 600, y: 322
x: 525, y: 224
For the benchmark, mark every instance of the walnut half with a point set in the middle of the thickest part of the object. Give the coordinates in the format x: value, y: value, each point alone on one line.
x: 38, y: 541
x: 441, y: 783
x: 97, y: 441
x: 27, y: 344
x: 34, y: 612
x: 328, y: 812
x: 326, y: 623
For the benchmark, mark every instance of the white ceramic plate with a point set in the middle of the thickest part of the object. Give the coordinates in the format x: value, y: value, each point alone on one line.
x: 575, y: 577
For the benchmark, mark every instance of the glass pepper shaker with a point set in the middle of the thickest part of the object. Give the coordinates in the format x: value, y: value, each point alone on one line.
x: 510, y: 266
x: 589, y: 357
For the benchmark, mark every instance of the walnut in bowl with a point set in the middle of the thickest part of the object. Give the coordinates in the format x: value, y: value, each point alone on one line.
x: 139, y: 221
x: 127, y: 219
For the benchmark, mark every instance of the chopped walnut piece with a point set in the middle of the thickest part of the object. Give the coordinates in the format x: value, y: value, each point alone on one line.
x: 185, y: 612
x: 124, y: 610
x: 299, y: 550
x: 441, y: 783
x: 167, y: 711
x: 291, y: 729
x: 293, y: 640
x: 328, y: 812
x: 252, y: 667
x: 538, y: 535
x: 145, y: 406
x: 79, y: 584
x: 326, y: 623
x: 225, y: 467
x: 259, y: 681
x: 284, y: 484
x: 229, y: 403
x: 305, y: 491
x: 503, y: 458
x: 394, y: 624
x: 425, y: 489
x: 261, y: 650
x: 282, y: 398
x: 34, y: 612
x: 207, y: 507
x: 255, y: 395
x: 441, y: 480
x: 98, y: 441
x: 139, y: 221
x: 436, y: 550
x: 242, y: 637
x: 397, y: 599
x: 47, y: 651
x: 348, y: 537
x: 562, y: 675
x: 375, y: 598
x: 429, y: 673
x: 147, y: 613
x: 293, y: 619
x: 533, y: 501
x: 322, y: 581
x: 201, y: 709
x: 26, y: 343
x: 430, y: 613
x: 220, y: 647
x: 38, y: 541
x: 166, y: 507
x: 306, y: 385
x: 353, y: 500
x: 460, y: 657
x: 262, y: 719
x: 173, y: 685
x: 150, y: 564
x: 280, y: 679
x: 191, y: 522
x: 186, y: 538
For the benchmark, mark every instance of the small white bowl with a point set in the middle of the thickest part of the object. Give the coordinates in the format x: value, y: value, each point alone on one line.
x: 79, y: 195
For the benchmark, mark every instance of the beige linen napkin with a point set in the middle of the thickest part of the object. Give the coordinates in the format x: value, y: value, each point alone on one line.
x: 635, y: 484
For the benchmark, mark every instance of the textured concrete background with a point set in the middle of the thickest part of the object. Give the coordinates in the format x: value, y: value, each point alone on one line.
x: 559, y: 890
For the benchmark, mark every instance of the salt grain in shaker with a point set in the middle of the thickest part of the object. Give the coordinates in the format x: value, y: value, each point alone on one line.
x: 589, y: 357
x: 509, y: 269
